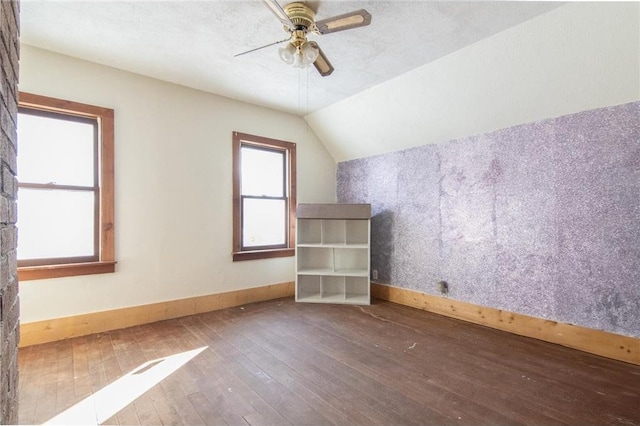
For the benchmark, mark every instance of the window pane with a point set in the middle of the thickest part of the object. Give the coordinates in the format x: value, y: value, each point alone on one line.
x: 55, y: 223
x: 263, y: 222
x: 262, y: 172
x: 55, y: 151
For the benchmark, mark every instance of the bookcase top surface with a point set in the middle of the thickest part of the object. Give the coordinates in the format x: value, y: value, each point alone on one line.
x: 333, y: 211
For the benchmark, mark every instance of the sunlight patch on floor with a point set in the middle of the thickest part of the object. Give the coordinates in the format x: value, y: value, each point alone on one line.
x: 105, y: 403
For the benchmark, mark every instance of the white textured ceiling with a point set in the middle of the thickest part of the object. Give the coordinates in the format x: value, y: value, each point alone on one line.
x: 193, y: 43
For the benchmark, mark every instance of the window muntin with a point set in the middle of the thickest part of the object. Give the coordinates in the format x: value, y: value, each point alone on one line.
x: 65, y: 188
x: 264, y: 197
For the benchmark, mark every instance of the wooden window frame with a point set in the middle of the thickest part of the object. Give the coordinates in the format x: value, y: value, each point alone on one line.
x: 104, y: 262
x: 289, y: 148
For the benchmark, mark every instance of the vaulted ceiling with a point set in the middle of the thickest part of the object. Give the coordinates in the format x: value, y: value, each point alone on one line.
x: 193, y: 43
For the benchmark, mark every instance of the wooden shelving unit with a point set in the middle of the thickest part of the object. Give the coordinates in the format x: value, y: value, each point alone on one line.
x: 332, y: 253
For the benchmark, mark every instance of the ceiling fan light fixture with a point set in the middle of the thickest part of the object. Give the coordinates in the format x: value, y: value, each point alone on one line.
x: 309, y: 53
x: 305, y: 58
x: 301, y: 61
x: 288, y: 53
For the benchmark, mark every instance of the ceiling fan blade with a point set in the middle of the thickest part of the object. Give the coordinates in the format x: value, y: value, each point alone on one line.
x: 355, y: 19
x: 321, y: 63
x: 262, y: 47
x: 278, y: 11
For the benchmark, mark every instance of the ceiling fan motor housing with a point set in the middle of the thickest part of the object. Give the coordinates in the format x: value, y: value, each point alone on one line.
x: 300, y: 15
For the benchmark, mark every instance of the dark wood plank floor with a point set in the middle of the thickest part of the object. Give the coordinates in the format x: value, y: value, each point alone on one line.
x: 279, y: 362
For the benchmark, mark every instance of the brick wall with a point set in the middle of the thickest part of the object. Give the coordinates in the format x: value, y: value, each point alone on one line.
x: 9, y: 305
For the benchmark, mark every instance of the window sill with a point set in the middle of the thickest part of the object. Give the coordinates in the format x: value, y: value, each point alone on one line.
x: 26, y: 273
x: 263, y: 254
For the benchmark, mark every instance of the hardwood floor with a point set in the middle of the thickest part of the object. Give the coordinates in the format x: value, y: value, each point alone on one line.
x: 279, y: 362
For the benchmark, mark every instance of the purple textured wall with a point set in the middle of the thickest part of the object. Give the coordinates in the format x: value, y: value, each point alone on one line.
x: 541, y: 219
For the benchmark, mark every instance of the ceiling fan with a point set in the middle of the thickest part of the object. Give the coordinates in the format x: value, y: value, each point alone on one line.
x: 299, y: 20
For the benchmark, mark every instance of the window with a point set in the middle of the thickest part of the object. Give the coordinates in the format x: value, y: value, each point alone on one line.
x: 65, y: 188
x: 264, y: 197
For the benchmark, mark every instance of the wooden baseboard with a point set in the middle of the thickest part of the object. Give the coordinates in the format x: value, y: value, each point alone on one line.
x: 610, y: 345
x: 34, y: 333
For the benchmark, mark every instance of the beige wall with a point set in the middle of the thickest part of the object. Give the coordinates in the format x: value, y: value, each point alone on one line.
x: 173, y: 188
x: 580, y: 56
